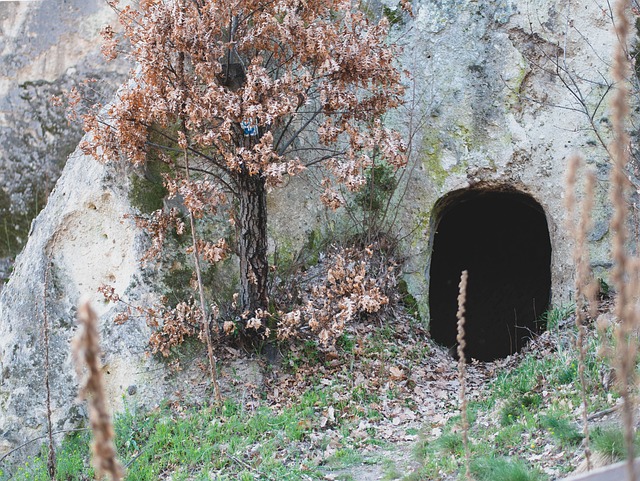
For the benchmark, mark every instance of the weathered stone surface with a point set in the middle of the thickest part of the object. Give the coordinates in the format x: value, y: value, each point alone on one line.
x: 79, y: 241
x: 490, y: 110
x: 486, y: 108
x: 46, y: 48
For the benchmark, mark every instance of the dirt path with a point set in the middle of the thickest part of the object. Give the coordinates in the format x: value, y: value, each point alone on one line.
x: 389, y: 463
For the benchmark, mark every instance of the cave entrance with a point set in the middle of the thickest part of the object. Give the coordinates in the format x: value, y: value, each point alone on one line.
x: 502, y: 239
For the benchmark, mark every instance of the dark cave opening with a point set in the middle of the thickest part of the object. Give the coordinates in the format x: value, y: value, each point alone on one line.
x: 502, y: 239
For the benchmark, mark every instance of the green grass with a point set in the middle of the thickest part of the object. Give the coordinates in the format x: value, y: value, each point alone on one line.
x: 450, y: 443
x: 609, y: 441
x: 509, y: 437
x: 229, y: 441
x: 503, y: 469
x: 517, y: 408
x: 345, y: 457
x: 561, y: 428
x: 552, y: 318
x: 529, y: 411
x: 72, y: 462
x: 521, y: 380
x: 568, y: 374
x: 390, y: 470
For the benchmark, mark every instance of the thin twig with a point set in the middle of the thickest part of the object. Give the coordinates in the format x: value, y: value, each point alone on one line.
x: 37, y: 438
x: 599, y: 414
x: 203, y: 306
x: 247, y: 466
x: 51, y: 453
x: 196, y: 254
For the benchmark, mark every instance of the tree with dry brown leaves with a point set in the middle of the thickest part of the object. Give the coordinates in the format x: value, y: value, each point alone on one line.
x: 248, y: 92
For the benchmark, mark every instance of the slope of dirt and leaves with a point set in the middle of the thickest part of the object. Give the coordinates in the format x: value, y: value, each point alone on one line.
x: 385, y: 408
x: 526, y: 421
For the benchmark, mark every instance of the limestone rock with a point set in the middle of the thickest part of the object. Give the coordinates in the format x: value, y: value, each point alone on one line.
x: 78, y: 242
x: 46, y: 48
x: 486, y: 109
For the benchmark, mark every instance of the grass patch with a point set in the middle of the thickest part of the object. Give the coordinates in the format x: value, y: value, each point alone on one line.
x: 552, y: 318
x: 450, y: 443
x: 526, y: 414
x: 519, y: 407
x: 561, y: 428
x: 503, y: 469
x: 609, y: 442
x: 227, y: 442
x: 72, y: 462
x: 529, y: 413
x: 344, y: 458
x: 568, y: 374
x: 509, y: 437
x: 390, y: 470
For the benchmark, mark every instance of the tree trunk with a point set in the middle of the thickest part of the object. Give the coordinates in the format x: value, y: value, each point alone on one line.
x: 252, y: 244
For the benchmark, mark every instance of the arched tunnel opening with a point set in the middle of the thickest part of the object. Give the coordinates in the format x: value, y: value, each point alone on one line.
x: 502, y: 239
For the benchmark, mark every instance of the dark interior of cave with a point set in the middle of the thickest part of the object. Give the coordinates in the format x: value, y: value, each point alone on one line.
x: 502, y: 239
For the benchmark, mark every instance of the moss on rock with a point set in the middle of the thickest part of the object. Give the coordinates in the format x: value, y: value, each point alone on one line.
x: 147, y: 189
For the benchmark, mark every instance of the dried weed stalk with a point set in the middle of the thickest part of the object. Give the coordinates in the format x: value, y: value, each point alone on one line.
x: 585, y: 289
x: 626, y: 343
x: 51, y: 453
x: 462, y: 298
x: 86, y: 351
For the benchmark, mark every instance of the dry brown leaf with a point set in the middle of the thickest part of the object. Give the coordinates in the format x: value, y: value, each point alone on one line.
x: 396, y: 373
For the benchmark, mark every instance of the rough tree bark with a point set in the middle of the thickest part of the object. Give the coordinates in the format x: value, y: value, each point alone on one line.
x: 252, y: 243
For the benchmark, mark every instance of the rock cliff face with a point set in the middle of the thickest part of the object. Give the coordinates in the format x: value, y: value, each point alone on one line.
x: 504, y: 93
x: 78, y: 242
x: 501, y: 94
x: 46, y: 48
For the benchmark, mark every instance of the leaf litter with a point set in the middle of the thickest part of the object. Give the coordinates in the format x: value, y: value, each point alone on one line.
x: 390, y: 387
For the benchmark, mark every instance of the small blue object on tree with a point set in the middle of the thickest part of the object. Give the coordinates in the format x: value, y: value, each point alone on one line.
x: 249, y: 127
